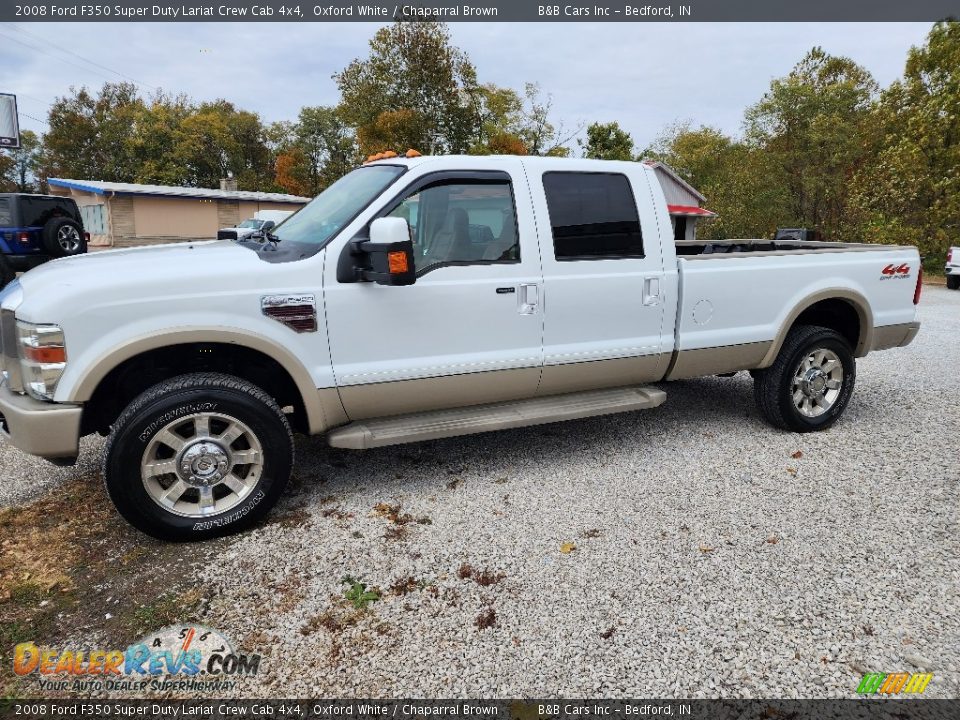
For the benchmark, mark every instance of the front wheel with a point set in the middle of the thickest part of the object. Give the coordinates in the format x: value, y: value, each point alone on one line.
x: 953, y: 282
x: 809, y: 384
x: 198, y: 456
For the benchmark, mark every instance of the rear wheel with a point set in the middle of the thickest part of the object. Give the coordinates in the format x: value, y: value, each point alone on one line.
x: 62, y: 237
x: 953, y: 282
x: 198, y: 456
x: 809, y: 384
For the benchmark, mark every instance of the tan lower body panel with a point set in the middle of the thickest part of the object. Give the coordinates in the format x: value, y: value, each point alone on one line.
x: 485, y: 418
x: 716, y: 360
x: 451, y: 391
x: 891, y: 336
x: 597, y: 374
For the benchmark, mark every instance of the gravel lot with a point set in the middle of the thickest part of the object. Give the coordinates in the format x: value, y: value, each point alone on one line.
x: 707, y: 554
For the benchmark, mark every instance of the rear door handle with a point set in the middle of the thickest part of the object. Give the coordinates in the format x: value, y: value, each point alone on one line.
x: 529, y: 298
x: 651, y: 291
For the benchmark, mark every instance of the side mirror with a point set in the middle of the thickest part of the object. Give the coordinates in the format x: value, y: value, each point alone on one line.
x: 387, y: 257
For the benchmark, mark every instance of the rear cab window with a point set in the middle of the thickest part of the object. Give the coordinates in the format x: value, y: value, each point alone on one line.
x: 593, y: 216
x: 6, y: 216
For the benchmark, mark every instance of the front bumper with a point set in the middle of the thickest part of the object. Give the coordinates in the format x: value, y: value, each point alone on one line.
x: 50, y: 430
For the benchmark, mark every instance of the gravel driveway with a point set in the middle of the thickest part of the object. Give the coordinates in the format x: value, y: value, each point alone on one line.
x: 689, y: 551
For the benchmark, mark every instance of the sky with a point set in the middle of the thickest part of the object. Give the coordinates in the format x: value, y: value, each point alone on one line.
x: 645, y: 76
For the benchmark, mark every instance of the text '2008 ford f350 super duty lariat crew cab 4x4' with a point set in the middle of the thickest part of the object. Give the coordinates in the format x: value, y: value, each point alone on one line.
x: 419, y: 298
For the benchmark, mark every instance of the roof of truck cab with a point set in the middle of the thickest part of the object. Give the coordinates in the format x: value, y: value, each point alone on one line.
x: 544, y: 163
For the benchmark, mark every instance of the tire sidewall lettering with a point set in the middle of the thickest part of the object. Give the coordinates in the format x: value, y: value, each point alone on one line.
x: 171, y: 415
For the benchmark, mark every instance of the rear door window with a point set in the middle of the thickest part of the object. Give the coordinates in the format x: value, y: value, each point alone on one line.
x: 593, y: 216
x: 6, y: 217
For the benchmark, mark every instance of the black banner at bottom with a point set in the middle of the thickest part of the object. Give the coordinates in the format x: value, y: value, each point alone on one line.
x: 892, y: 709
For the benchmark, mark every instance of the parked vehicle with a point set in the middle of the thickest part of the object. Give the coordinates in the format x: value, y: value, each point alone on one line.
x: 35, y: 229
x: 415, y: 299
x: 798, y: 234
x: 953, y: 268
x: 263, y: 222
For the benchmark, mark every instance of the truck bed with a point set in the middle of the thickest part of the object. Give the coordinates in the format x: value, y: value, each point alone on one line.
x: 736, y: 296
x: 741, y: 247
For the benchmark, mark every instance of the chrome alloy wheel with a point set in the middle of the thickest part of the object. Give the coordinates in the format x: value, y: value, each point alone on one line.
x: 201, y: 465
x: 817, y: 382
x: 69, y: 238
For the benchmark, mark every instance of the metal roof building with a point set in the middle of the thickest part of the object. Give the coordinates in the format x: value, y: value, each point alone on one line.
x: 684, y: 201
x: 126, y: 214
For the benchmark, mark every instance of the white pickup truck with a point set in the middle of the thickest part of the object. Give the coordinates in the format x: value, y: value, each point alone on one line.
x: 952, y: 268
x: 418, y: 298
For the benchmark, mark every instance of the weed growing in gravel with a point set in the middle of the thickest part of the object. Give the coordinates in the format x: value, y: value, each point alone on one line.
x: 358, y: 593
x: 486, y: 619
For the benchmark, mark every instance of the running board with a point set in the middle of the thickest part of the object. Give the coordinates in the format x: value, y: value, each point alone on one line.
x: 381, y: 432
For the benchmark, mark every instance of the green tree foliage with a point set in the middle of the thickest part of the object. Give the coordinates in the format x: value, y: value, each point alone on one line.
x: 414, y: 90
x: 90, y: 136
x: 23, y: 169
x: 910, y: 192
x: 735, y: 177
x: 607, y: 141
x: 814, y: 125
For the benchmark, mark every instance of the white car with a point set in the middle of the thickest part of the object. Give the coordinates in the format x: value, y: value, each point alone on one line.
x: 420, y: 298
x: 953, y: 268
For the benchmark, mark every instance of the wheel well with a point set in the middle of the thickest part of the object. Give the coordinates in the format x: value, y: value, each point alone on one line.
x: 836, y: 314
x: 136, y: 374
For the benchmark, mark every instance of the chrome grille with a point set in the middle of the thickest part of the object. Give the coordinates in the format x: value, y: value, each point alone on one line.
x: 8, y: 341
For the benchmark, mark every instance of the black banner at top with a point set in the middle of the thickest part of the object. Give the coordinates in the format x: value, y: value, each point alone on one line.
x: 479, y: 11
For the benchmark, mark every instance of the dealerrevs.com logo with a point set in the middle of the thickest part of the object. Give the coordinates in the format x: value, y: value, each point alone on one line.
x: 177, y: 657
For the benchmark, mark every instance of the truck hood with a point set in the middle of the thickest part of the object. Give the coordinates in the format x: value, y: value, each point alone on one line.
x: 159, y: 270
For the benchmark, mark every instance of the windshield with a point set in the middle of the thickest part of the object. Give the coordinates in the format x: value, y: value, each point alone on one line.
x: 250, y: 224
x: 329, y: 212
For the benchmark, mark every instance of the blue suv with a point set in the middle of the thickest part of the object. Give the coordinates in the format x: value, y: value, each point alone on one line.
x: 35, y: 229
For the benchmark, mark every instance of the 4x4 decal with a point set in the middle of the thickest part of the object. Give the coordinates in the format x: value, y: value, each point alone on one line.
x: 895, y: 271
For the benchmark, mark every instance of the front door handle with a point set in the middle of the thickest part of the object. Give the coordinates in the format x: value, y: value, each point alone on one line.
x: 529, y: 298
x: 651, y: 291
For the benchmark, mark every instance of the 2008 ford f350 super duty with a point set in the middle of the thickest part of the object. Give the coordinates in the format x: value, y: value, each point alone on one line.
x: 419, y: 298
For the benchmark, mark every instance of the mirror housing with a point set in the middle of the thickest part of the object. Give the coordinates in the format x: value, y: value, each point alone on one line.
x: 387, y: 257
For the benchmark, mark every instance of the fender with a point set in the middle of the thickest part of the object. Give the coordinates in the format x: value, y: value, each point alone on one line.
x: 323, y: 407
x: 855, y: 299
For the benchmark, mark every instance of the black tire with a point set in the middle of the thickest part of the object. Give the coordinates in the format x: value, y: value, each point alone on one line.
x: 953, y: 282
x: 176, y: 401
x: 62, y: 237
x: 7, y: 273
x: 773, y: 387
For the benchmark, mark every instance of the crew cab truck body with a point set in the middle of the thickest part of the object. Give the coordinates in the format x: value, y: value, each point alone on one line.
x: 421, y: 298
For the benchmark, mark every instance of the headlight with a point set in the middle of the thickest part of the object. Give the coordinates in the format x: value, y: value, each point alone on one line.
x: 42, y: 358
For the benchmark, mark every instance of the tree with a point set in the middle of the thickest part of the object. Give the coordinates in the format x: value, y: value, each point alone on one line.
x: 153, y: 144
x: 414, y: 90
x: 910, y: 193
x: 25, y: 167
x: 499, y: 122
x: 537, y: 130
x: 327, y: 144
x: 607, y: 141
x: 815, y: 126
x: 91, y: 136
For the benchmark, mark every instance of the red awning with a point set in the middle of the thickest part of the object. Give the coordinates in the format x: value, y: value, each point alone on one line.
x: 690, y: 211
